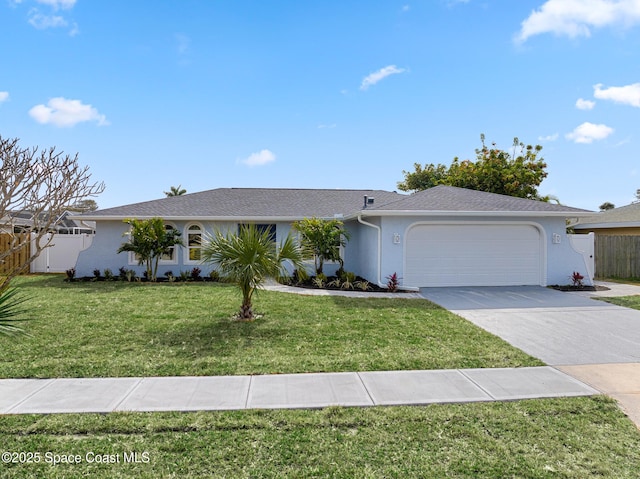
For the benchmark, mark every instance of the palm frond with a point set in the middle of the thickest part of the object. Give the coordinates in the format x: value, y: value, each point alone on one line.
x: 11, y: 307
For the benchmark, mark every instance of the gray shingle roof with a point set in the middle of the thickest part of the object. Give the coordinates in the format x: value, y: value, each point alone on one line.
x: 451, y: 199
x: 274, y: 203
x: 624, y: 216
x: 250, y: 203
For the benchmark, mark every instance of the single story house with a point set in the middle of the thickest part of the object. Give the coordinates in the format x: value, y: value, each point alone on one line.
x: 443, y: 236
x: 623, y: 221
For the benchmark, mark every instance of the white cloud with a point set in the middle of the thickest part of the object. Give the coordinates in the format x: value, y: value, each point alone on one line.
x: 42, y: 22
x: 588, y: 132
x: 628, y: 95
x: 58, y: 4
x: 582, y: 104
x: 406, y: 8
x: 553, y: 137
x: 260, y: 158
x: 379, y: 75
x: 330, y: 126
x: 47, y: 15
x: 575, y: 18
x: 4, y: 96
x: 66, y: 113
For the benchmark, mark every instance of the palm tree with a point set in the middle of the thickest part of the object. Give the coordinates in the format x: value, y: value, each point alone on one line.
x: 175, y: 191
x: 248, y: 258
x: 150, y: 240
x: 322, y: 239
x: 10, y: 307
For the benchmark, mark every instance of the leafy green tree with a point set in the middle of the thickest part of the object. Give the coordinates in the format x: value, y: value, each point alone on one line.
x: 322, y: 239
x: 150, y: 240
x: 175, y: 191
x: 606, y: 206
x: 84, y: 206
x: 247, y: 258
x: 495, y: 171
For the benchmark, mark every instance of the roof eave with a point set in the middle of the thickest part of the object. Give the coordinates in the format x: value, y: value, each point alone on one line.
x: 563, y: 214
x: 626, y: 224
x: 262, y: 219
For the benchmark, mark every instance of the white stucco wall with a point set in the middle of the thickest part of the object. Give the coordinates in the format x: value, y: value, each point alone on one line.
x: 109, y: 236
x: 361, y: 253
x: 561, y: 259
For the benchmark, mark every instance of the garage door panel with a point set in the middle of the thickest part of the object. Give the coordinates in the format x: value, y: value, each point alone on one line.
x: 473, y: 255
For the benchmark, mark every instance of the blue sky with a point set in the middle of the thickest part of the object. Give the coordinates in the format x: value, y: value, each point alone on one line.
x: 323, y: 94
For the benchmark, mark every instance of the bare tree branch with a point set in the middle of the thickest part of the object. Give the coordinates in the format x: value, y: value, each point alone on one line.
x: 41, y: 184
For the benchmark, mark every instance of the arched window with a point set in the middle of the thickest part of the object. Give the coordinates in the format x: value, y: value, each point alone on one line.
x: 194, y: 242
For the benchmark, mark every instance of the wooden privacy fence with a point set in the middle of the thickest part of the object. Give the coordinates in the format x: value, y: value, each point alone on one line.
x: 9, y: 262
x: 617, y: 256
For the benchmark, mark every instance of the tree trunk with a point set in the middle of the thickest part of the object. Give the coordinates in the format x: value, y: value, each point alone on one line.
x: 246, y: 312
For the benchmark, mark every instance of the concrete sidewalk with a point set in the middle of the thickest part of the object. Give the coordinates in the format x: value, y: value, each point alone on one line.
x: 311, y: 390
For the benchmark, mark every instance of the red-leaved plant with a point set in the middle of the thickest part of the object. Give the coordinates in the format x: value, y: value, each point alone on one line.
x: 393, y: 283
x: 577, y: 279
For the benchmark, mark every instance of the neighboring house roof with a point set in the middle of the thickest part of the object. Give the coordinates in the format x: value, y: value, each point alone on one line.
x: 249, y: 204
x: 623, y: 217
x: 29, y: 220
x: 262, y: 204
x: 447, y: 200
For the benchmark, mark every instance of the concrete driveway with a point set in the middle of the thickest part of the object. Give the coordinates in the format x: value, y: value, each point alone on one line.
x: 559, y: 328
x: 593, y: 341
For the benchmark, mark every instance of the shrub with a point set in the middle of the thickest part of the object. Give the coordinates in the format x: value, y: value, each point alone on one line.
x: 195, y: 274
x: 96, y: 273
x: 108, y: 275
x: 577, y: 278
x: 71, y: 274
x: 299, y: 276
x: 349, y: 280
x: 185, y: 275
x: 130, y: 275
x: 214, y: 275
x: 393, y: 282
x: 362, y: 285
x: 319, y: 281
x: 336, y: 283
x: 122, y: 273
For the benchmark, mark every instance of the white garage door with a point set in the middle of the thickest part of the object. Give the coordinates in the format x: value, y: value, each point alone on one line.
x: 473, y: 255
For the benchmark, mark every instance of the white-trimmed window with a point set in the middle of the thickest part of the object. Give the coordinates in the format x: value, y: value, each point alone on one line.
x: 168, y: 258
x: 262, y: 228
x: 193, y: 236
x: 172, y: 256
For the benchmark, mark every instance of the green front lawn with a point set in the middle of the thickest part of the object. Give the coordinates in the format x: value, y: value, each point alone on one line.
x: 555, y: 438
x: 121, y: 329
x: 626, y: 301
x: 103, y: 329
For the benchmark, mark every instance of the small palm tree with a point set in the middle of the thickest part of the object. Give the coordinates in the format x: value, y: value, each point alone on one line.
x: 248, y: 258
x: 322, y: 239
x: 150, y: 239
x: 175, y: 191
x: 10, y: 309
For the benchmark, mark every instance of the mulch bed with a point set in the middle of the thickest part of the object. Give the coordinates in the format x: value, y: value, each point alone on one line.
x: 570, y: 287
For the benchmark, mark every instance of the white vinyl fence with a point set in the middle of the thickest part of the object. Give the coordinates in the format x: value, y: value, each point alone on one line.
x: 62, y: 254
x: 585, y: 244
